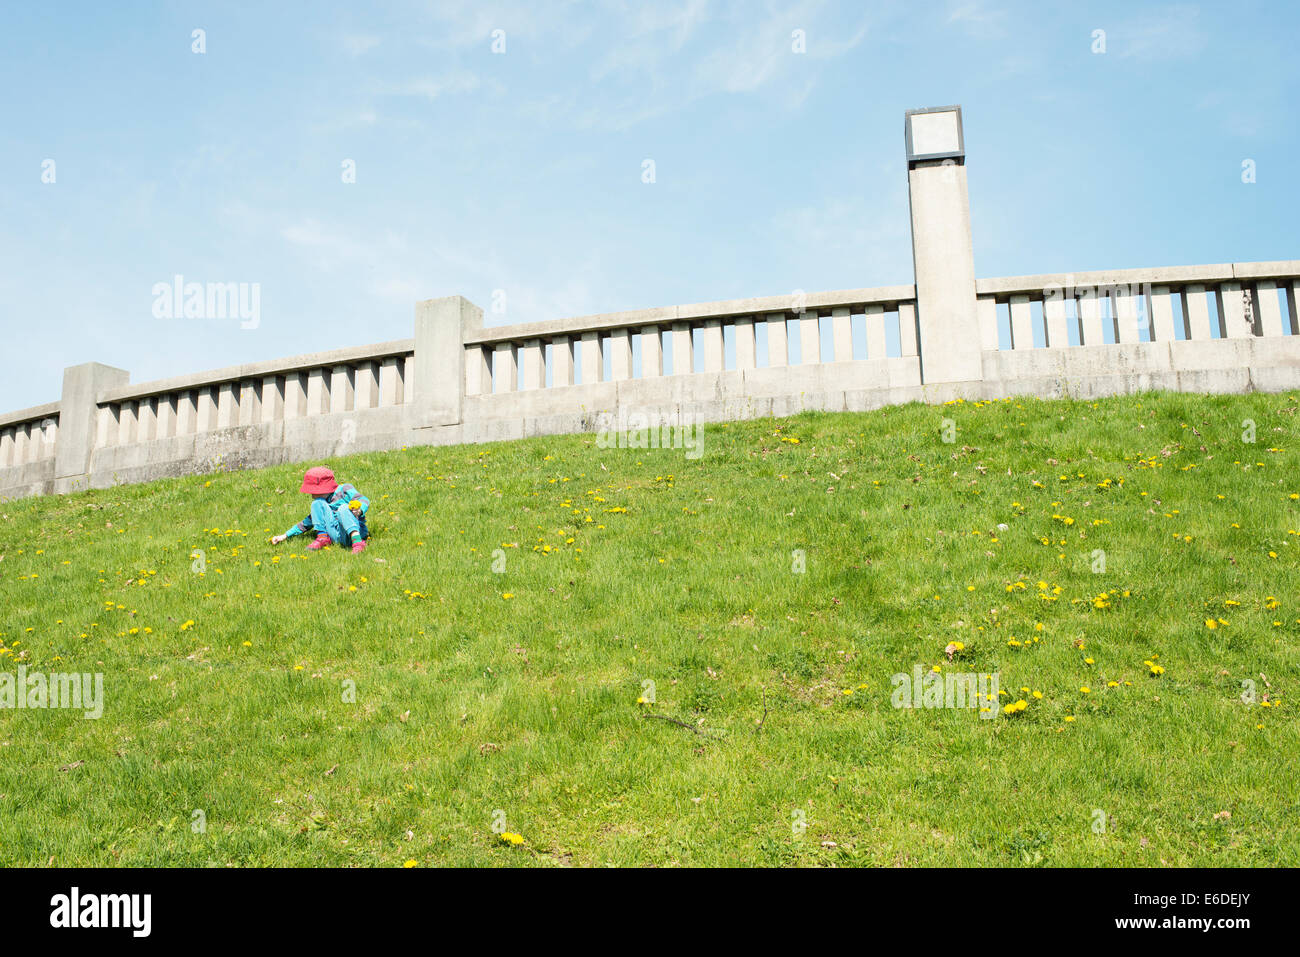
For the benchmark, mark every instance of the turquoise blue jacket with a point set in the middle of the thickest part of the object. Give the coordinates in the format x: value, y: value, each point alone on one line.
x: 341, y: 497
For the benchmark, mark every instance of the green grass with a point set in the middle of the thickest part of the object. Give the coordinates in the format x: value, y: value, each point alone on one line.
x: 635, y: 566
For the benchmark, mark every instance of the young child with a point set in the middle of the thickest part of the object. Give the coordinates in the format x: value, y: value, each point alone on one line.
x: 338, y: 513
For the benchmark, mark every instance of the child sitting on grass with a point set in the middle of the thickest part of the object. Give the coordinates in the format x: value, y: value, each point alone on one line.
x: 338, y: 513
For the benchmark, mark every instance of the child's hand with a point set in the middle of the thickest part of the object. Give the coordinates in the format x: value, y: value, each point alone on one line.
x: 355, y: 505
x: 277, y: 539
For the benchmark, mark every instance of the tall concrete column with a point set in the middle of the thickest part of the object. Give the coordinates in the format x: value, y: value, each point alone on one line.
x: 440, y: 329
x: 942, y: 255
x: 79, y: 420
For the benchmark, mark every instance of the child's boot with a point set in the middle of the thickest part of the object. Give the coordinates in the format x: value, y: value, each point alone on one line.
x: 358, y: 547
x: 321, y: 541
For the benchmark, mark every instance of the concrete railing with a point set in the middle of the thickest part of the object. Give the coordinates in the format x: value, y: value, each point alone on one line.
x: 28, y: 443
x: 1218, y: 328
x: 1196, y: 303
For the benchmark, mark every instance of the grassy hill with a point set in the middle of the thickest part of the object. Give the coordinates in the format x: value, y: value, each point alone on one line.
x: 478, y: 669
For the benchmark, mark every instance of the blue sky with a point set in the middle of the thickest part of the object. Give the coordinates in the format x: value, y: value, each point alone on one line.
x: 521, y: 171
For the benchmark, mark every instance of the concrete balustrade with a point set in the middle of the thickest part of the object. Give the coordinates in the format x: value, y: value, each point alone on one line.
x: 1216, y: 328
x: 1213, y: 328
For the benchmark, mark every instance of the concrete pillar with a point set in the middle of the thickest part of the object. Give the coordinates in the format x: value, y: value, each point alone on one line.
x: 1022, y: 323
x: 683, y: 349
x: 620, y: 354
x: 390, y: 383
x: 1055, y: 320
x: 79, y: 418
x: 986, y: 312
x: 505, y: 367
x: 317, y: 391
x: 1161, y: 309
x: 810, y: 338
x: 6, y: 448
x: 366, y: 386
x: 561, y: 361
x: 1124, y: 307
x: 50, y: 446
x: 187, y: 414
x: 778, y: 349
x: 166, y: 426
x: 1234, y: 320
x: 1090, y: 328
x: 1268, y: 313
x: 227, y: 410
x: 1293, y: 306
x: 841, y: 334
x: 652, y: 352
x: 478, y: 370
x: 875, y: 327
x: 407, y: 366
x: 41, y: 434
x: 206, y: 420
x: 591, y: 361
x: 295, y: 395
x: 533, y: 359
x: 272, y: 404
x: 20, y: 444
x: 146, y: 420
x: 437, y: 374
x: 746, y: 347
x: 342, y: 395
x: 204, y: 411
x: 943, y: 259
x: 1196, y: 313
x: 909, y: 335
x: 126, y: 424
x: 711, y: 344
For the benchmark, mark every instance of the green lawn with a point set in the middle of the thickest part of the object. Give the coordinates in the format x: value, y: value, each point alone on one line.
x: 508, y: 700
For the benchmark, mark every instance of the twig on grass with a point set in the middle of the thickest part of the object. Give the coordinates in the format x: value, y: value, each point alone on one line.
x: 683, y: 724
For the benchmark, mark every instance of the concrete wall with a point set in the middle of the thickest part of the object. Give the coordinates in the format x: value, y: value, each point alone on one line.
x: 322, y: 405
x: 1230, y: 327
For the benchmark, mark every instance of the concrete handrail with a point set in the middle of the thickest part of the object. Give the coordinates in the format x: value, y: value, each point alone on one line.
x: 258, y: 370
x: 1034, y: 286
x: 36, y: 414
x: 854, y: 299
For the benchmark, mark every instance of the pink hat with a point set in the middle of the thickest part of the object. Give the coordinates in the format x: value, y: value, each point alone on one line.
x: 319, y: 481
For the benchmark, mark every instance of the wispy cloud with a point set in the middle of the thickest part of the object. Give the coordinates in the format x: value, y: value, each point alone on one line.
x: 978, y: 17
x: 1172, y: 32
x: 432, y: 87
x: 356, y: 44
